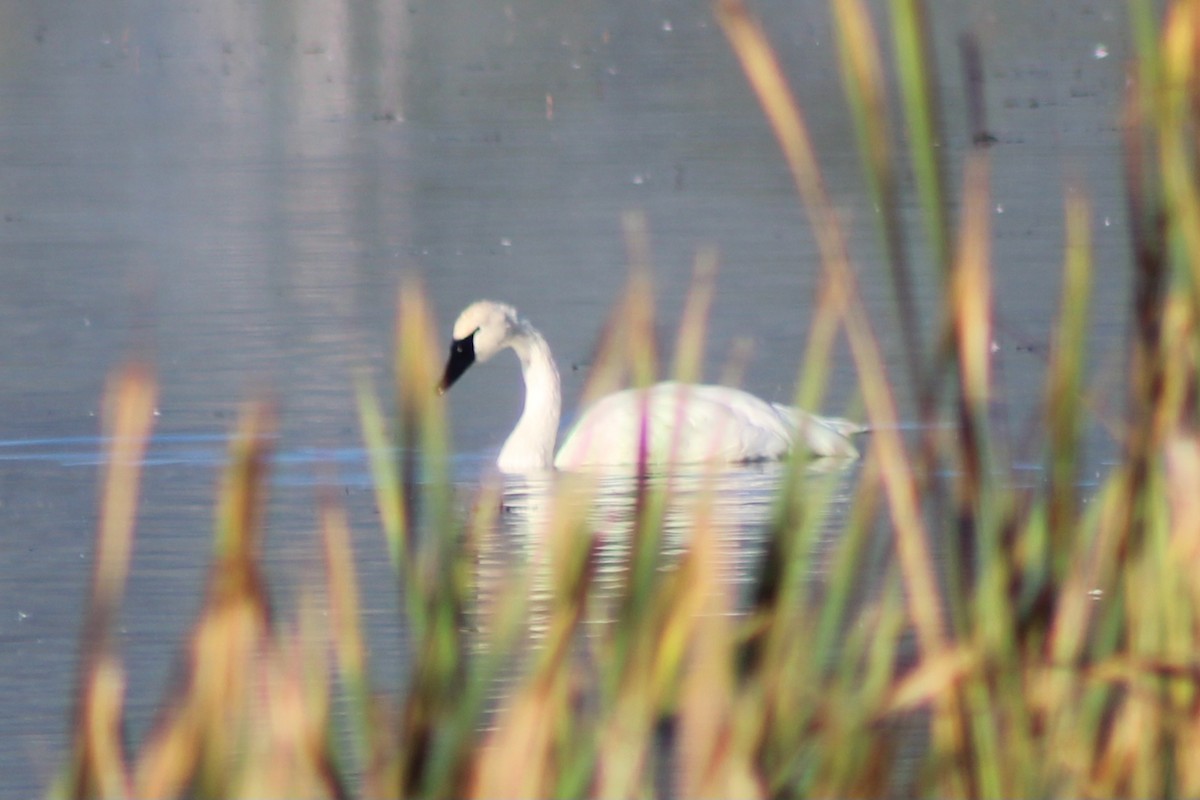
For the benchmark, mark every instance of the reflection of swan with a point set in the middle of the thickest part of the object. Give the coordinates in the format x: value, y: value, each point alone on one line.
x: 562, y: 547
x: 543, y: 517
x: 684, y: 423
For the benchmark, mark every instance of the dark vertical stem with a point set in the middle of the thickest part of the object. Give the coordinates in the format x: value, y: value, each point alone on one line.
x: 972, y: 60
x: 1147, y: 225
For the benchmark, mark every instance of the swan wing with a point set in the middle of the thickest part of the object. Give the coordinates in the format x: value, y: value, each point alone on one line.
x: 823, y: 436
x: 684, y: 424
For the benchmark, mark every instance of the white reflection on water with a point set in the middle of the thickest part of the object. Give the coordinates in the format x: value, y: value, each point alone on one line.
x: 739, y: 504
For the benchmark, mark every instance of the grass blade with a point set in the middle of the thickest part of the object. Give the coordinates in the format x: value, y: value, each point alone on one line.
x: 98, y: 766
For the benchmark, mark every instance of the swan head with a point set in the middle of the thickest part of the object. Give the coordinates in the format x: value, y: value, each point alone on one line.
x: 483, y: 329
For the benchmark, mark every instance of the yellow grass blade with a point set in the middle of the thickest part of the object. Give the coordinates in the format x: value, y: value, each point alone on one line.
x: 98, y: 768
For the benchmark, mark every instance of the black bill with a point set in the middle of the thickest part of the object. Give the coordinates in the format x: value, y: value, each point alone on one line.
x: 462, y: 356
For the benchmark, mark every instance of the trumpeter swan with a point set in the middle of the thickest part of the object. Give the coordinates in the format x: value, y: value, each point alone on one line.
x: 685, y: 423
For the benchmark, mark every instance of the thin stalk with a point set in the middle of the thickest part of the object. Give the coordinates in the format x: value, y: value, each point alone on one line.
x: 385, y: 477
x: 98, y: 764
x: 689, y: 344
x: 1151, y: 280
x: 1064, y: 402
x: 970, y: 312
x: 917, y: 68
x: 862, y: 79
x: 349, y: 649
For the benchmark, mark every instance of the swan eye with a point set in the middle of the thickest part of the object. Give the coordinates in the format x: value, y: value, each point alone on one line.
x: 466, y: 344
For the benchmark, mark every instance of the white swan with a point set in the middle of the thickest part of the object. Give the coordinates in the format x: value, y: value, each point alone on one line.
x: 685, y: 423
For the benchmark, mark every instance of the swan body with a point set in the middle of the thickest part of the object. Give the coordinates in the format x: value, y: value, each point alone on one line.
x: 683, y: 423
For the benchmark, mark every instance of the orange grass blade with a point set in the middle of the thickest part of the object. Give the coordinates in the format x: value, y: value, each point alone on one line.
x: 129, y: 418
x: 198, y: 739
x: 240, y: 505
x: 286, y: 751
x: 932, y: 679
x: 716, y: 753
x: 970, y: 313
x: 1183, y: 477
x: 98, y: 768
x: 971, y: 288
x: 516, y: 759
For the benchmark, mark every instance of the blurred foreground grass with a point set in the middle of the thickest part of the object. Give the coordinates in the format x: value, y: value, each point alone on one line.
x: 1057, y: 652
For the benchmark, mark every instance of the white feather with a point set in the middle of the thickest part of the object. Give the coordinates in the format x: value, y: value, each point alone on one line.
x: 683, y: 423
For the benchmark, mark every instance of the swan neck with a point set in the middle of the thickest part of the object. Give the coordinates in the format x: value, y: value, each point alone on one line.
x: 531, y: 444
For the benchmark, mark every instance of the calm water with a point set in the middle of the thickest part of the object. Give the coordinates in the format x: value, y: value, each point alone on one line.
x: 235, y: 189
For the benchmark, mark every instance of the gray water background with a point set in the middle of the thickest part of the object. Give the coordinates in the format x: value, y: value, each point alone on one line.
x: 234, y: 189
